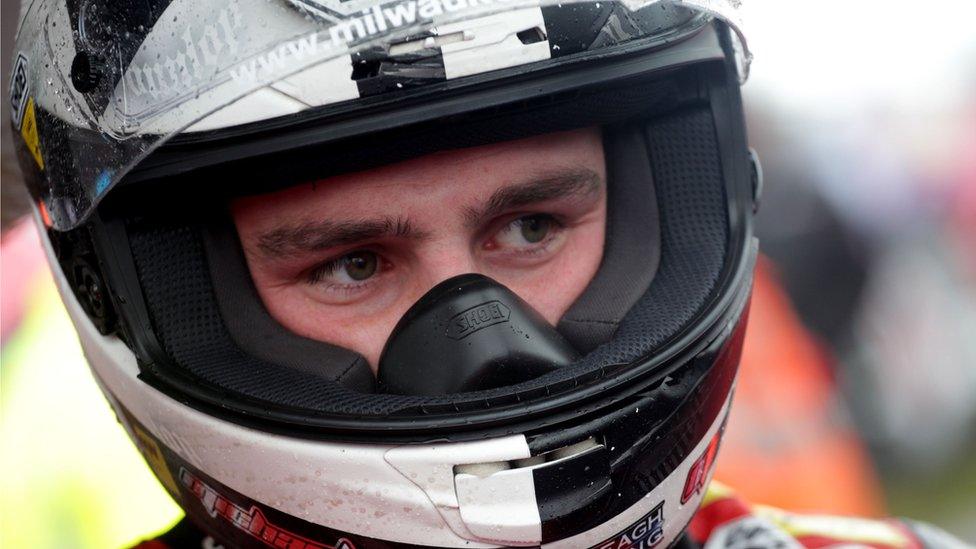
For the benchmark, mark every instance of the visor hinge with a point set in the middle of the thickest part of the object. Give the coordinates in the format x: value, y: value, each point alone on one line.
x: 757, y: 179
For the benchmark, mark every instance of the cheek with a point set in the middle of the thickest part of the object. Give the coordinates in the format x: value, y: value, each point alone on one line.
x: 554, y: 287
x: 360, y: 329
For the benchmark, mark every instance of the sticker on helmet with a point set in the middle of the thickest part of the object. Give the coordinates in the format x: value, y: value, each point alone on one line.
x: 643, y: 534
x: 28, y: 130
x: 338, y: 10
x: 200, y: 52
x: 252, y: 521
x: 19, y: 89
x: 698, y: 474
x: 154, y: 456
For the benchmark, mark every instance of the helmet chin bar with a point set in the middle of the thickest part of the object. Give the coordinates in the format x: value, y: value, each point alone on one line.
x: 476, y: 507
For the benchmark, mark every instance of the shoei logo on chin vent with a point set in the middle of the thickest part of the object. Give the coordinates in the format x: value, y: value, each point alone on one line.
x: 476, y: 318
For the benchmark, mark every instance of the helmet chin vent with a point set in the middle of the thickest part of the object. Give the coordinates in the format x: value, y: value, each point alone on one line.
x: 487, y: 469
x: 482, y: 488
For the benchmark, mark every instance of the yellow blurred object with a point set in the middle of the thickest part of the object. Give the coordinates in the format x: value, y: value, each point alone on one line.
x: 71, y: 477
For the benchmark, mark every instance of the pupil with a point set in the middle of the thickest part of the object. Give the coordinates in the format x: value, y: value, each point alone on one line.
x: 534, y: 228
x: 360, y: 266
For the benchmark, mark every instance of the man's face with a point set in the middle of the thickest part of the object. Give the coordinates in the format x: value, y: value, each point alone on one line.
x: 342, y: 259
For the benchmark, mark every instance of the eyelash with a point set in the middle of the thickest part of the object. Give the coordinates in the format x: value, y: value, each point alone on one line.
x: 318, y: 274
x: 558, y: 226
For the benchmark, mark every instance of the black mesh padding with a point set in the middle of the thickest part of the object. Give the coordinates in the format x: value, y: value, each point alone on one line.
x: 684, y: 154
x: 632, y: 247
x: 259, y: 335
x: 184, y: 311
x: 694, y: 227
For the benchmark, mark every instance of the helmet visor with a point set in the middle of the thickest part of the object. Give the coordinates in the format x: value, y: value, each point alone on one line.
x: 106, y: 84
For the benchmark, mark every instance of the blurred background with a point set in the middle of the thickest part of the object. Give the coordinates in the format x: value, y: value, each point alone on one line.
x: 858, y: 385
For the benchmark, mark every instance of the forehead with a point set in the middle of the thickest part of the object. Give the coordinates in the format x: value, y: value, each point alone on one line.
x: 449, y: 177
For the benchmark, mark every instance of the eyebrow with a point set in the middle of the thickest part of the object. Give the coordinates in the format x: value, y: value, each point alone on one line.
x: 313, y: 236
x: 572, y: 183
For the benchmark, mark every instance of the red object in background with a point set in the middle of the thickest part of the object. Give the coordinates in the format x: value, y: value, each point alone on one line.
x: 21, y: 264
x: 788, y: 443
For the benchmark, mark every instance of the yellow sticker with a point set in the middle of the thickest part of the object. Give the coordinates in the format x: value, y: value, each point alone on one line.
x: 154, y: 455
x: 28, y: 129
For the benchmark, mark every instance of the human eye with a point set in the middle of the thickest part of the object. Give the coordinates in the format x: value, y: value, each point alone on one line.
x: 526, y: 234
x: 351, y: 271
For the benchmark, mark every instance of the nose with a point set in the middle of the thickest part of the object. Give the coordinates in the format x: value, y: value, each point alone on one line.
x: 444, y: 260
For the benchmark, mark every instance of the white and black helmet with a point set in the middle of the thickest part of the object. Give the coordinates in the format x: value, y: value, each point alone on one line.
x: 137, y: 121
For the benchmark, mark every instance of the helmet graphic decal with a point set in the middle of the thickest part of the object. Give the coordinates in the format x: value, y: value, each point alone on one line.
x: 252, y: 520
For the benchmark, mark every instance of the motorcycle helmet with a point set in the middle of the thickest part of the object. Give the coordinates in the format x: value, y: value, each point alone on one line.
x: 137, y: 122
